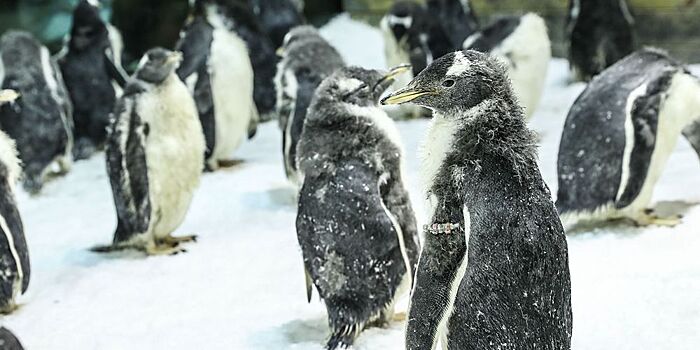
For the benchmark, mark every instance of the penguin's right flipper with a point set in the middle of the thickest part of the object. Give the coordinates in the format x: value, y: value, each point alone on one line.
x: 115, y: 72
x: 309, y: 285
x: 254, y: 121
x: 127, y: 168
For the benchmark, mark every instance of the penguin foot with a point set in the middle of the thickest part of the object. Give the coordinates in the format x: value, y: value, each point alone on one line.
x: 164, y: 249
x: 8, y: 308
x: 651, y: 219
x: 399, y: 317
x: 229, y: 163
x: 175, y: 241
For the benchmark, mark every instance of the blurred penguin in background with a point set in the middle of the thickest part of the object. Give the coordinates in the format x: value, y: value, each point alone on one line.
x: 355, y: 223
x: 600, y: 34
x: 307, y: 59
x: 217, y: 69
x: 40, y: 119
x: 238, y: 16
x: 14, y: 256
x: 457, y: 18
x: 278, y: 17
x: 523, y: 45
x: 91, y: 67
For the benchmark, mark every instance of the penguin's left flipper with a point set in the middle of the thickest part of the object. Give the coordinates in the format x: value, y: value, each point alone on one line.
x: 116, y: 73
x: 309, y: 285
x: 254, y: 121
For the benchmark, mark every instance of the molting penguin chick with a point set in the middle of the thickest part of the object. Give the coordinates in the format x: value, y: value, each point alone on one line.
x: 277, y: 17
x: 238, y: 16
x: 307, y: 59
x: 523, y: 45
x: 217, y: 68
x: 619, y: 134
x: 355, y: 224
x: 14, y: 257
x: 91, y: 67
x: 40, y: 120
x: 155, y: 156
x: 600, y: 34
x: 494, y: 266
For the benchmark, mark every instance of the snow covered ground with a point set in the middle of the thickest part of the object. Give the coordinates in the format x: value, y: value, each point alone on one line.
x: 241, y: 286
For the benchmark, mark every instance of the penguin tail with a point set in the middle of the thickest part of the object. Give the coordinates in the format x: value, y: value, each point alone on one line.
x: 343, y: 337
x: 111, y: 248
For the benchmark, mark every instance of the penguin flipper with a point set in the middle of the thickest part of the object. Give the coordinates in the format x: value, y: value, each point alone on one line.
x: 254, y: 121
x: 127, y: 167
x: 309, y: 285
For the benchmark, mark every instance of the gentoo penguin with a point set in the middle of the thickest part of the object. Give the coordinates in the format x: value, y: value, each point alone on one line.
x: 307, y: 59
x: 277, y: 18
x: 14, y: 260
x: 217, y: 69
x: 355, y: 224
x: 239, y: 17
x: 493, y: 272
x: 457, y: 17
x: 618, y: 136
x: 91, y: 67
x: 40, y: 120
x: 155, y: 156
x: 600, y: 34
x: 9, y: 341
x: 523, y: 45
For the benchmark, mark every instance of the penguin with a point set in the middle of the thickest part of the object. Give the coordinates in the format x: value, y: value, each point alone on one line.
x: 523, y: 44
x: 306, y: 60
x: 238, y: 16
x: 600, y: 33
x: 493, y: 272
x: 457, y: 17
x: 90, y: 63
x: 9, y: 341
x: 217, y: 69
x: 355, y: 223
x: 277, y: 18
x: 40, y: 121
x: 155, y: 157
x: 618, y: 136
x: 14, y: 256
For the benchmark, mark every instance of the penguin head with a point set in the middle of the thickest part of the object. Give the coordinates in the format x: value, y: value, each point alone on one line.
x: 88, y: 26
x: 359, y: 86
x: 402, y: 17
x: 454, y: 83
x: 157, y: 65
x: 8, y: 96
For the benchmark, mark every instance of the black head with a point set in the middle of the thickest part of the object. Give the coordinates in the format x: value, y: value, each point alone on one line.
x: 402, y: 16
x: 88, y: 26
x: 157, y: 65
x: 358, y: 86
x: 456, y: 82
x: 299, y: 33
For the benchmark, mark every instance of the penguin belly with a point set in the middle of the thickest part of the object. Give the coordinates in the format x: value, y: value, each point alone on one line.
x: 232, y: 91
x: 174, y: 154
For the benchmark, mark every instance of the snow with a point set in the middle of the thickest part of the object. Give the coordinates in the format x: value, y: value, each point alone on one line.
x: 241, y: 286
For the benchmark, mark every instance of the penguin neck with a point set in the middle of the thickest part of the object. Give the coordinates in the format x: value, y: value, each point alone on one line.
x: 487, y: 141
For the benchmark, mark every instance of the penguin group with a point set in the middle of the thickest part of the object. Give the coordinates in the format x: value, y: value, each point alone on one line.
x: 490, y: 266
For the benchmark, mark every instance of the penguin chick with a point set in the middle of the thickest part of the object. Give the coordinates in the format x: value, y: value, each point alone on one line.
x: 618, y: 136
x: 14, y: 261
x: 277, y: 18
x: 155, y: 156
x: 523, y: 45
x: 307, y: 59
x: 494, y: 266
x: 91, y: 69
x: 40, y: 120
x: 355, y: 223
x: 217, y: 68
x: 600, y: 34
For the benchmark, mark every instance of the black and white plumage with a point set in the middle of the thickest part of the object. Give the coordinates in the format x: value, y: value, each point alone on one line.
x: 155, y: 156
x: 277, y: 17
x: 307, y: 59
x: 355, y: 224
x: 238, y: 16
x: 522, y: 43
x: 9, y: 341
x: 14, y: 256
x: 40, y: 120
x: 217, y: 69
x: 457, y: 17
x: 501, y: 278
x: 600, y: 34
x: 90, y: 64
x: 619, y: 134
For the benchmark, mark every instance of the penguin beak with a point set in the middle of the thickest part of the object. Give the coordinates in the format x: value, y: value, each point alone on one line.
x: 404, y: 95
x: 280, y: 51
x: 175, y: 57
x: 8, y: 95
x: 388, y: 79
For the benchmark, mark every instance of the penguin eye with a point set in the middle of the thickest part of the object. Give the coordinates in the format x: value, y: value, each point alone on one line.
x: 448, y: 83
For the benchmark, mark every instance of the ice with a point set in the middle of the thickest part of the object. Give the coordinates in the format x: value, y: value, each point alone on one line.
x: 241, y: 286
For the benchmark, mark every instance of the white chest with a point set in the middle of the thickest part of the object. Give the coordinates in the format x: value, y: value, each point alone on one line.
x: 436, y: 145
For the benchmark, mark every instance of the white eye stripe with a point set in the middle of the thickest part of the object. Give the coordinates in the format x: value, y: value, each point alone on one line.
x: 405, y: 21
x: 460, y: 65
